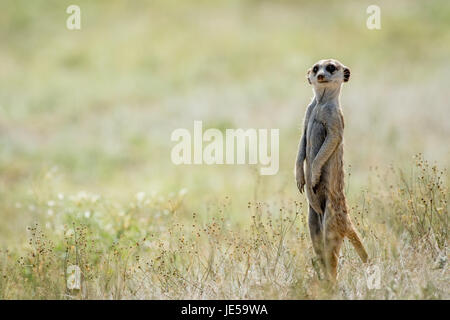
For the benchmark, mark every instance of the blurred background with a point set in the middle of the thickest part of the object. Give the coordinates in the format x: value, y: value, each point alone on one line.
x: 93, y: 109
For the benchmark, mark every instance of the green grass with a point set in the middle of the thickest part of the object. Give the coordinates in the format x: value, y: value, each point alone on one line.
x: 85, y: 171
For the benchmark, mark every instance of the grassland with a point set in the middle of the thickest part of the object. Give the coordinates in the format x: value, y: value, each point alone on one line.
x: 85, y: 171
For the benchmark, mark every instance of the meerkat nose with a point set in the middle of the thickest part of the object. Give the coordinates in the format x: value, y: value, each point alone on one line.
x: 320, y: 77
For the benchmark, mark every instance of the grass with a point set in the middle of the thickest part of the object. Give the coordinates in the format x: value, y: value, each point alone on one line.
x: 153, y: 248
x: 85, y: 172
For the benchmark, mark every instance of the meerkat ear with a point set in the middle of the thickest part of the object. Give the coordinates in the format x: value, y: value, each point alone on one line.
x: 346, y: 74
x: 307, y: 75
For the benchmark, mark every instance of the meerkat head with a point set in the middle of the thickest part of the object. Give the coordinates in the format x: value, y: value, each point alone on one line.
x: 327, y: 73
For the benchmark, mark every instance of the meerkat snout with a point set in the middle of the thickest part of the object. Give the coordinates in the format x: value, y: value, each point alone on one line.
x: 327, y: 73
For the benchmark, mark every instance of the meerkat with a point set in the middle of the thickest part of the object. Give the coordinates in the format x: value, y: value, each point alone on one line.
x: 319, y: 166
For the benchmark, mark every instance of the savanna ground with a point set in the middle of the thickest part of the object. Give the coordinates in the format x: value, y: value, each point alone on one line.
x: 85, y: 171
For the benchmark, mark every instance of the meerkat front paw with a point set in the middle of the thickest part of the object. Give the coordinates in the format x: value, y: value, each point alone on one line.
x: 300, y: 177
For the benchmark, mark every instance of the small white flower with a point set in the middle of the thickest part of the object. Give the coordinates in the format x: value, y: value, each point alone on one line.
x: 51, y: 203
x: 60, y: 196
x: 95, y: 198
x: 140, y: 196
x: 82, y: 195
x: 87, y: 214
x: 50, y: 212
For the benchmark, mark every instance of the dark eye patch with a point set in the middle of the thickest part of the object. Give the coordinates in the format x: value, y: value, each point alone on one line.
x: 315, y: 69
x: 331, y: 68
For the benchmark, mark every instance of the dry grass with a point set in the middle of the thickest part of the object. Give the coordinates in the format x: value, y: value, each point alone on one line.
x: 151, y: 248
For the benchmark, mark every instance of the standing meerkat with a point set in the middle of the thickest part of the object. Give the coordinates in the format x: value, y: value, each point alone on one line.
x: 321, y: 149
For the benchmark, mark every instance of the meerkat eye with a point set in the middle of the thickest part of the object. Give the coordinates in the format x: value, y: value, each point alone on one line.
x: 315, y: 69
x: 330, y: 68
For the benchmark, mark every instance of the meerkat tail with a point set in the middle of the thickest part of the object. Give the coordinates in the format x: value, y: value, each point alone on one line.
x: 353, y: 236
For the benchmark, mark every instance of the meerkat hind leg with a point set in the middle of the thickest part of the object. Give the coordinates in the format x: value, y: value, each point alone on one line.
x: 315, y: 231
x: 332, y: 243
